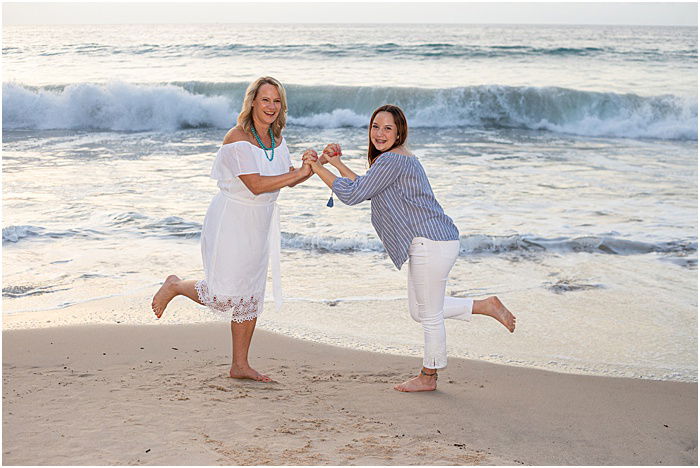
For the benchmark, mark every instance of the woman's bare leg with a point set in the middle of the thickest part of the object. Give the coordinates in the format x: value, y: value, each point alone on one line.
x: 172, y: 287
x: 241, y: 336
x: 241, y: 333
x: 493, y: 307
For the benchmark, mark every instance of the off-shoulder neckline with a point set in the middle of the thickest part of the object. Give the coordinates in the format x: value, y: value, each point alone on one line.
x: 399, y: 154
x: 245, y: 141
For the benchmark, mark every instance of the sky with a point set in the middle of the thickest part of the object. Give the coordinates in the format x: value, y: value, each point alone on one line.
x: 663, y: 13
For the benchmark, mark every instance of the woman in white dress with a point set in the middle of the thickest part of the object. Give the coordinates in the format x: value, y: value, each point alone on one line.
x: 241, y: 233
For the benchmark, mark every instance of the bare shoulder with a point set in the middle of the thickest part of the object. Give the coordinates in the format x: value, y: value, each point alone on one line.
x: 234, y: 135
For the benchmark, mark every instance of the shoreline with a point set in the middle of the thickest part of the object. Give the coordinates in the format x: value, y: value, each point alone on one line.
x: 159, y: 394
x: 488, y: 343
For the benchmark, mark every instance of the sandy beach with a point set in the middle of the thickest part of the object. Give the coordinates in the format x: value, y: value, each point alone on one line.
x: 159, y: 395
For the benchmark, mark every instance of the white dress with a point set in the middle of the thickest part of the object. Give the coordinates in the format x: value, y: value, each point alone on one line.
x: 241, y: 234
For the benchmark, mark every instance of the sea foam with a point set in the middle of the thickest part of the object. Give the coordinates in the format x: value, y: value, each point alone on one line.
x: 128, y: 107
x: 114, y: 106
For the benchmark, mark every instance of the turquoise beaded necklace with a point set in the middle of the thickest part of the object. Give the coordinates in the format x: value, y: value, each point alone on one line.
x: 265, y: 148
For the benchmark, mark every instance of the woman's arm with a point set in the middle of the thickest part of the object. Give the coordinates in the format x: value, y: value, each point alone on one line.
x: 381, y: 175
x: 345, y: 171
x: 326, y: 176
x: 257, y: 183
x: 332, y: 154
x: 303, y: 179
x: 261, y: 184
x: 308, y: 156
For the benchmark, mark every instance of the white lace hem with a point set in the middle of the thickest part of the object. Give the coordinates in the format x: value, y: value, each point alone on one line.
x: 234, y: 308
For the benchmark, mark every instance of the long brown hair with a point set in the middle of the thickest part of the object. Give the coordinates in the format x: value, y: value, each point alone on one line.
x: 245, y: 118
x: 401, y: 130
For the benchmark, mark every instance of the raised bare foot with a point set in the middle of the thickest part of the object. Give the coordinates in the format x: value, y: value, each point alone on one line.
x: 418, y: 383
x: 247, y: 372
x: 164, y: 295
x: 497, y: 310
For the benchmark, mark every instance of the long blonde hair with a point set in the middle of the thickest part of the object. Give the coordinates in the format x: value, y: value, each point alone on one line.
x: 245, y: 118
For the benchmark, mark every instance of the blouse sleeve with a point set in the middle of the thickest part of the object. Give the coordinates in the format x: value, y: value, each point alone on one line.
x: 380, y: 176
x: 234, y: 160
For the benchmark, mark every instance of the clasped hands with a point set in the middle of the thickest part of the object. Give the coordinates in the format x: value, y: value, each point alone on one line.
x: 331, y: 153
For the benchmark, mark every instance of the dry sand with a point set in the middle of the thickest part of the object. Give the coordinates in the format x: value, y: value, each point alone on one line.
x: 160, y: 395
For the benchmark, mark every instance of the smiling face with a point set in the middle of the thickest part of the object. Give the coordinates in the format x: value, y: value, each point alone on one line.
x: 388, y: 129
x: 266, y: 105
x: 383, y: 132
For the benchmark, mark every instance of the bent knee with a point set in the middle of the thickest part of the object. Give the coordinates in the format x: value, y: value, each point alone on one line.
x: 416, y: 309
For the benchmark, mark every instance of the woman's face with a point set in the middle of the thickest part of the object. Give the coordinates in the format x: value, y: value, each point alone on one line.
x: 383, y: 131
x: 267, y: 104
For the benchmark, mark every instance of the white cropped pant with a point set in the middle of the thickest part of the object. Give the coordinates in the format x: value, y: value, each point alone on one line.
x: 429, y: 265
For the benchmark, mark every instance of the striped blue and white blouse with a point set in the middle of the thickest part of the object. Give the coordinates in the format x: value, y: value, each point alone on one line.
x: 403, y: 204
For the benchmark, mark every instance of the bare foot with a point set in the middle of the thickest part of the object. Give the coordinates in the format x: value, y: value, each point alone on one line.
x: 247, y: 372
x: 164, y: 295
x: 419, y: 383
x: 497, y: 310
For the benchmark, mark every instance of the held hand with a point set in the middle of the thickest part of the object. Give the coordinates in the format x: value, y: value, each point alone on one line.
x: 315, y: 165
x: 330, y: 152
x: 305, y: 170
x: 309, y: 156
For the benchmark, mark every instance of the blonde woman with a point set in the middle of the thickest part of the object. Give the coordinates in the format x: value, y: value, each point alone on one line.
x: 241, y: 233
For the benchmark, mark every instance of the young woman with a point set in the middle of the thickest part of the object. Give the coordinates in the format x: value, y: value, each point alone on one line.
x: 412, y: 226
x: 241, y: 227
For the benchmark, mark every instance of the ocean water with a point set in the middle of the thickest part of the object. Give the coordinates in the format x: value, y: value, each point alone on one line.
x: 567, y: 157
